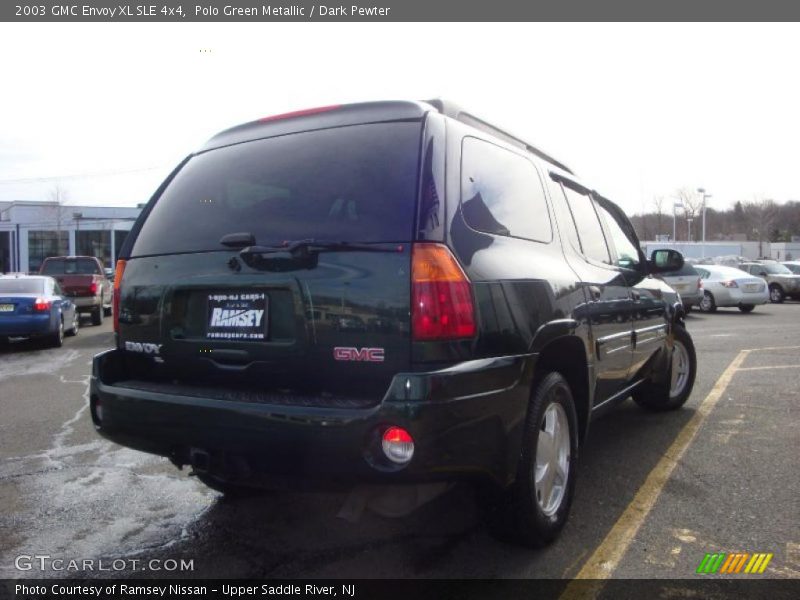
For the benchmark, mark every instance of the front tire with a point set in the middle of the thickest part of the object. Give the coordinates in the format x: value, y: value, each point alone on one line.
x: 746, y: 308
x: 776, y: 295
x: 707, y: 304
x: 57, y: 339
x: 673, y: 391
x: 534, y: 510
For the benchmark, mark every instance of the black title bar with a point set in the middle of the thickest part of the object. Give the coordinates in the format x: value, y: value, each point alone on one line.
x: 397, y: 10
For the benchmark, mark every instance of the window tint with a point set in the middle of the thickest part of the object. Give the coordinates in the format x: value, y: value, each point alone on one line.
x: 353, y: 184
x: 627, y: 253
x: 590, y: 233
x: 501, y: 192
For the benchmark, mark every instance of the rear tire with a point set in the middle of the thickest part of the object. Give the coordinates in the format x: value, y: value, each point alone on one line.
x: 672, y: 393
x: 76, y: 324
x: 97, y: 316
x: 707, y: 304
x: 776, y: 295
x: 534, y: 510
x: 746, y: 308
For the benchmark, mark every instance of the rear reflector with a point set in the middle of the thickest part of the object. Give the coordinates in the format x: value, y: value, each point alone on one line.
x: 120, y: 270
x: 41, y: 305
x: 398, y: 445
x: 300, y: 113
x: 442, y: 306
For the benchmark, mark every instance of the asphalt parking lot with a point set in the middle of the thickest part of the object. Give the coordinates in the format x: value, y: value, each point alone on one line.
x: 655, y: 493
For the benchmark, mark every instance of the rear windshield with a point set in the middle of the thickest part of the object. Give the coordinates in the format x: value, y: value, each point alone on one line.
x: 70, y: 266
x: 685, y: 270
x: 349, y: 184
x: 21, y: 286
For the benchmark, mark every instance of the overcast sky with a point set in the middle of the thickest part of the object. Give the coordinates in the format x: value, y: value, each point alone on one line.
x: 637, y: 110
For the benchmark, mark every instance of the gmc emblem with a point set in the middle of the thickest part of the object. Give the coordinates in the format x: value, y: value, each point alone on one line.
x: 363, y: 355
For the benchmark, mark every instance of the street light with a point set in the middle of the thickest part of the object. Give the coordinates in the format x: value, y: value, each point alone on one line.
x: 674, y: 206
x: 703, y: 191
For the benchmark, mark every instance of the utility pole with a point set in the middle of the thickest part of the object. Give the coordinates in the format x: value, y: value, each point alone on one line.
x: 705, y: 196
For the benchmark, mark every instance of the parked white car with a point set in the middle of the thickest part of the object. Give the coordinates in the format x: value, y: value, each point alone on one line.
x: 792, y: 265
x: 726, y: 286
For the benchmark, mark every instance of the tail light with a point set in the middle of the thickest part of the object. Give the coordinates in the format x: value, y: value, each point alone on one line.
x: 41, y: 305
x: 398, y: 445
x: 442, y: 306
x: 730, y: 284
x: 93, y: 288
x: 699, y: 283
x: 300, y: 113
x: 117, y: 282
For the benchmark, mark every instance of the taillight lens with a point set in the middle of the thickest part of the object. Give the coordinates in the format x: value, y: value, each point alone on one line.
x: 699, y: 283
x: 41, y: 305
x: 118, y: 272
x: 398, y: 445
x: 730, y: 284
x: 93, y: 288
x: 441, y: 295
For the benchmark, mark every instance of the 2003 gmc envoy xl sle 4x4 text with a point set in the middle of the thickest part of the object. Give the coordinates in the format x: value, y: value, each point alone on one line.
x: 389, y: 292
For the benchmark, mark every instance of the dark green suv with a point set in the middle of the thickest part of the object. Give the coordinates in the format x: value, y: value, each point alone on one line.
x: 391, y: 292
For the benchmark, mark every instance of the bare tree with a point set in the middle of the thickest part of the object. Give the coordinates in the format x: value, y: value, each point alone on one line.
x: 692, y: 202
x: 761, y: 215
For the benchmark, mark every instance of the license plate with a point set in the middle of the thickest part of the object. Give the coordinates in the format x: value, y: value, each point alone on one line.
x: 237, y: 316
x: 6, y: 308
x: 679, y: 287
x: 751, y: 287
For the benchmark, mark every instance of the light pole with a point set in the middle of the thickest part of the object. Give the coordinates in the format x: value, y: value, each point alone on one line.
x: 703, y: 191
x: 674, y: 206
x: 689, y: 230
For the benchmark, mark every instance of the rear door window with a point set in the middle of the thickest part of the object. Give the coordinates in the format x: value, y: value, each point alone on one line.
x: 352, y: 184
x: 502, y: 193
x: 591, y: 238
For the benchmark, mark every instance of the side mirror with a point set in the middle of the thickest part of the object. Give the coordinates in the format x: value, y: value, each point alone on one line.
x: 665, y: 260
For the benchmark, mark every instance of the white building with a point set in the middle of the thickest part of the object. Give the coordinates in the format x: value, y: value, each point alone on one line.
x: 749, y: 250
x: 31, y: 231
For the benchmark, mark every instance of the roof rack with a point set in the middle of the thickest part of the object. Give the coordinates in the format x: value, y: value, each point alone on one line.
x: 449, y: 109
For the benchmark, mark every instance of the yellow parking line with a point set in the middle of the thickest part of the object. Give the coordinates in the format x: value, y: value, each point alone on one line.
x: 609, y: 553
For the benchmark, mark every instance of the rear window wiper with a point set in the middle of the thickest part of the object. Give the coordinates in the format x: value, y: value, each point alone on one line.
x: 299, y: 248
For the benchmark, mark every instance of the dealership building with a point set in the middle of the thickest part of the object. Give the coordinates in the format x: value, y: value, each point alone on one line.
x: 31, y: 231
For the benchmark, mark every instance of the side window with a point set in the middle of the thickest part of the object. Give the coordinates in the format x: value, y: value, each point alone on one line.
x: 703, y: 273
x: 590, y: 233
x: 627, y: 253
x: 57, y: 289
x: 502, y: 193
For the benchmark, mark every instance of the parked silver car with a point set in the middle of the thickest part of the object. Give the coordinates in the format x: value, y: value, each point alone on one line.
x: 782, y: 282
x: 726, y: 286
x: 686, y: 281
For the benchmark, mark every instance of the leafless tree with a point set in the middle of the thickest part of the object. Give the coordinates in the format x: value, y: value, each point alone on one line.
x: 761, y: 215
x: 692, y: 202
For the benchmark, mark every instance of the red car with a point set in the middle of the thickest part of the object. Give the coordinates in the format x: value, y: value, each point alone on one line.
x: 83, y: 280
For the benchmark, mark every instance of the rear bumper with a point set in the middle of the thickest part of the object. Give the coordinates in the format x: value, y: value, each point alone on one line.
x: 736, y: 296
x: 87, y: 303
x: 466, y: 422
x: 26, y: 325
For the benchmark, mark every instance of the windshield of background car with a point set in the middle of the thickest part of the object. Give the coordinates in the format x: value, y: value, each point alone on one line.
x: 21, y: 286
x: 70, y: 266
x: 351, y: 184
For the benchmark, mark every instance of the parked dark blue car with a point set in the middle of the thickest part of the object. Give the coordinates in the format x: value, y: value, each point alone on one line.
x: 34, y: 307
